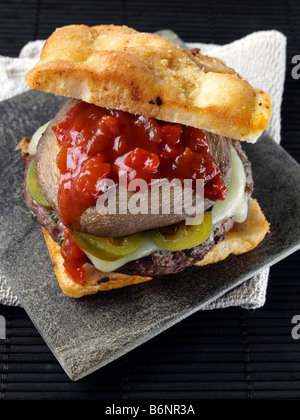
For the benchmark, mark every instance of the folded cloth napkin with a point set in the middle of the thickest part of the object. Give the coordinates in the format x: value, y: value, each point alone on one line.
x: 259, y: 57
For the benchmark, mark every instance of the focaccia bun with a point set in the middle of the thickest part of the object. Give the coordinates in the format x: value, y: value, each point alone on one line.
x: 145, y: 74
x: 243, y: 237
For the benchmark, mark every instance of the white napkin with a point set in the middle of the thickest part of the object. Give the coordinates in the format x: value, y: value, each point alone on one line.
x: 259, y: 57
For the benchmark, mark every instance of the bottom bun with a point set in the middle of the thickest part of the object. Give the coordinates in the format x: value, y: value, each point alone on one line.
x: 95, y: 281
x: 243, y: 237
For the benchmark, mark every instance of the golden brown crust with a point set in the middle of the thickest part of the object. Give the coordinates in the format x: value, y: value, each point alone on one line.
x: 141, y: 73
x: 242, y: 238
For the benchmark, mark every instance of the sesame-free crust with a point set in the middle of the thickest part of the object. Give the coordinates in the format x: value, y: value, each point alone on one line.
x: 145, y: 74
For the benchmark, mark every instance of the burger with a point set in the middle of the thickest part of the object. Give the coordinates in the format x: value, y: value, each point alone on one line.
x: 140, y: 113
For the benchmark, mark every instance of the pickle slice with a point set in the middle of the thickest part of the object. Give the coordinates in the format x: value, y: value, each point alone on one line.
x: 181, y: 236
x: 34, y: 186
x: 108, y: 248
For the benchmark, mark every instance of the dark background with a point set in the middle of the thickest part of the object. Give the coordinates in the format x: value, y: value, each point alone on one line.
x: 222, y: 354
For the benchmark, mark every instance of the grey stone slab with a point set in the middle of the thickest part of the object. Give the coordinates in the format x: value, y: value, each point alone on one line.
x: 88, y: 333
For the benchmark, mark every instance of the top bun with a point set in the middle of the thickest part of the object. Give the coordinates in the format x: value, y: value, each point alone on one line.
x: 145, y: 74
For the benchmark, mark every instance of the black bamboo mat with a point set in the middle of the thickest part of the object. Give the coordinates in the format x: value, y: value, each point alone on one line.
x: 222, y: 354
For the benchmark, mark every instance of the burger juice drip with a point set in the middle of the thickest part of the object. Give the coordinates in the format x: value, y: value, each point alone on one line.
x: 98, y: 143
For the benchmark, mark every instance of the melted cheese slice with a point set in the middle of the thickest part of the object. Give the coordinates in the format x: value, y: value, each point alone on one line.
x: 235, y: 204
x: 36, y: 138
x: 146, y: 247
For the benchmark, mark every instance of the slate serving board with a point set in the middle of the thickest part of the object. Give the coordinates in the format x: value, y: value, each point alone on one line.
x: 89, y: 333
